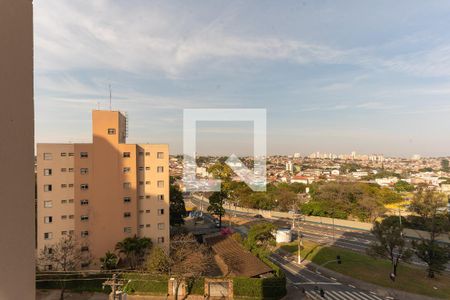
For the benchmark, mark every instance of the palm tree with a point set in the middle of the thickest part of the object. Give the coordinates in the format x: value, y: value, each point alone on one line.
x: 109, y: 261
x: 134, y: 249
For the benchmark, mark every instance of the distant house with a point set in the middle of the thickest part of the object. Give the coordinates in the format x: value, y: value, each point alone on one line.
x: 301, y: 179
x: 234, y: 260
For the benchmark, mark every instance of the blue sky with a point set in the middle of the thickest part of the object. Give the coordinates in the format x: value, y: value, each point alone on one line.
x: 334, y: 76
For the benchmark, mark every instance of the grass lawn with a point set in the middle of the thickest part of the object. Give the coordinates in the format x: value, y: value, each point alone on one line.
x: 409, y: 278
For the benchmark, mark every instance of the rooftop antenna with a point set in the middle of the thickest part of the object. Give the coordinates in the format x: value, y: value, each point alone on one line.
x: 110, y: 97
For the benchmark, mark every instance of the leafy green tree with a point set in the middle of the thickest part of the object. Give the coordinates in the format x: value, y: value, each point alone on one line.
x: 431, y: 208
x: 403, y: 186
x: 109, y: 261
x: 221, y: 170
x: 390, y: 243
x: 260, y: 236
x: 177, y: 206
x: 134, y: 249
x: 216, y: 201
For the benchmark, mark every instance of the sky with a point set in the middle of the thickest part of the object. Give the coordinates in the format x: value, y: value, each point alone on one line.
x: 333, y: 76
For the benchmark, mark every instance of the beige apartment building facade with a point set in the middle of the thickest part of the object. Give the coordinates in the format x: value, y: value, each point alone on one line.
x: 104, y: 191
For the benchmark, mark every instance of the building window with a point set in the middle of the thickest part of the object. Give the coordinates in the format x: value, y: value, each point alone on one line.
x: 141, y: 168
x: 47, y: 187
x: 63, y: 201
x: 85, y: 264
x: 127, y: 185
x: 160, y: 183
x: 63, y: 186
x: 147, y: 182
x: 63, y: 154
x: 64, y: 217
x: 70, y: 200
x: 160, y: 226
x: 84, y: 218
x: 84, y: 248
x: 160, y: 211
x: 48, y: 235
x: 84, y: 187
x: 161, y: 240
x: 70, y: 169
x: 71, y: 185
x: 71, y: 217
x: 63, y: 170
x: 63, y: 232
x: 48, y: 220
x: 47, y: 172
x: 161, y: 197
x: 147, y: 168
x: 126, y: 170
x: 160, y: 155
x: 127, y: 229
x: 83, y: 155
x: 141, y: 153
x: 147, y: 211
x: 84, y: 202
x: 141, y: 183
x: 147, y: 196
x: 160, y: 169
x: 141, y: 211
x: 141, y: 226
x: 111, y: 131
x: 71, y: 154
x: 147, y: 153
x: 84, y: 171
x: 71, y: 231
x: 126, y: 154
x: 85, y: 233
x: 48, y: 156
x: 126, y: 199
x: 127, y: 215
x: 147, y: 225
x: 48, y: 203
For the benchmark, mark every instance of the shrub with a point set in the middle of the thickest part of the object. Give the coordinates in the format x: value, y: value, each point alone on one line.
x: 259, y: 288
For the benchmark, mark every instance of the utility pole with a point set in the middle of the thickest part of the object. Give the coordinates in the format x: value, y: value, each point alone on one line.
x: 114, y: 284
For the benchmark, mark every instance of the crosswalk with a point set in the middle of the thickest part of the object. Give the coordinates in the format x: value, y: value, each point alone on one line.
x: 342, y: 295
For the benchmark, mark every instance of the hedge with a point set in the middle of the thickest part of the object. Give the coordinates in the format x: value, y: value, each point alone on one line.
x: 259, y: 288
x: 73, y: 282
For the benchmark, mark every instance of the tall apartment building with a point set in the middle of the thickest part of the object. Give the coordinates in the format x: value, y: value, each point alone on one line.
x: 104, y: 191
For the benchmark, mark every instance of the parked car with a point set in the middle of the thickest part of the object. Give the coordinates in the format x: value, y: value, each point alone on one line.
x: 258, y: 216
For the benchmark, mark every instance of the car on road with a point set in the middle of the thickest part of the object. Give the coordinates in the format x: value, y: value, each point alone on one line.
x: 216, y: 222
x: 258, y: 216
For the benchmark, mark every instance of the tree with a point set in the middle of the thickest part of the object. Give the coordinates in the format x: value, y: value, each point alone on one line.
x: 260, y: 236
x: 403, y: 186
x: 66, y: 255
x: 177, y: 207
x: 134, y: 249
x: 216, y: 205
x: 109, y: 261
x: 187, y: 260
x: 431, y: 209
x: 158, y: 261
x: 390, y: 243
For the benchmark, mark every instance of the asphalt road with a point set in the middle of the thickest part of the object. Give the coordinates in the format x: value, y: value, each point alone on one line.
x: 311, y: 283
x: 343, y: 237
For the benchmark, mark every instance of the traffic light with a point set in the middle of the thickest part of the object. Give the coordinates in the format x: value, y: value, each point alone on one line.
x: 338, y: 259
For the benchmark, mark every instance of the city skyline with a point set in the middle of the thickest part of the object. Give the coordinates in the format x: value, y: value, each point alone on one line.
x: 334, y: 78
